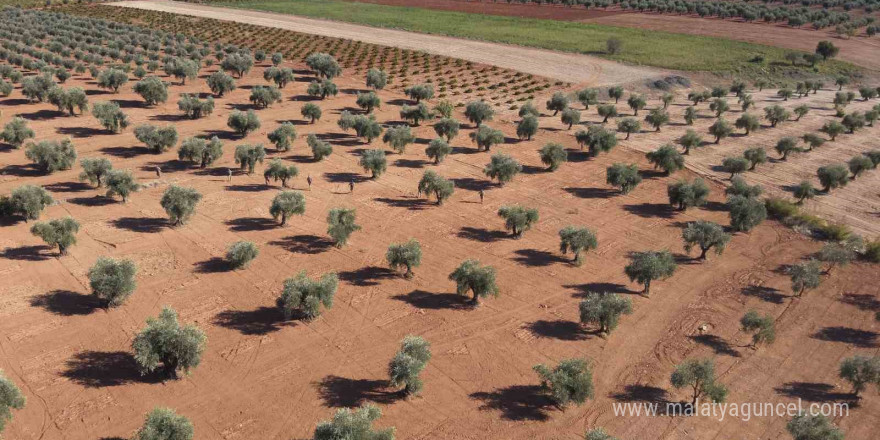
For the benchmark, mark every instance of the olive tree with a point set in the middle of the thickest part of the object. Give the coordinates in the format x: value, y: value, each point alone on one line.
x: 320, y: 149
x: 685, y: 195
x: 110, y: 116
x: 860, y: 371
x: 836, y: 254
x: 734, y: 165
x: 16, y: 132
x: 438, y: 149
x: 182, y: 68
x: 312, y: 111
x: 719, y: 106
x: 833, y: 129
x: 398, y: 137
x: 763, y: 328
x: 447, y: 128
x: 10, y: 398
x: 801, y: 111
x: 745, y: 212
x: 121, y: 183
x: 404, y: 255
x: 577, y: 240
x: 419, y: 92
x: 804, y: 276
x: 720, y: 129
x: 179, y: 203
x: 478, y: 112
x: 156, y: 138
x: 786, y: 146
x: 666, y: 158
x: 433, y: 183
x: 276, y: 170
x: 657, y: 118
x: 699, y: 376
x: 629, y: 126
x: 739, y: 187
x: 833, y: 176
x: 95, y: 170
x: 406, y: 366
x: 859, y: 164
x: 165, y: 424
x: 283, y: 136
x: 200, y: 151
x: 690, y: 140
x: 705, y: 235
x: 152, y: 89
x: 248, y: 156
x: 588, y: 97
x: 624, y: 177
x: 69, y: 100
x: 341, y: 224
x: 241, y: 253
x: 243, y: 123
x: 368, y: 101
x: 755, y: 156
x: 471, y: 276
x: 813, y: 141
x: 690, y: 114
x: 112, y: 79
x: 164, y: 342
x: 195, y: 108
x: 51, y: 156
x: 322, y: 89
x: 264, y: 96
x: 237, y: 63
x: 557, y: 103
x: 813, y: 427
x: 647, y: 266
x: 304, y: 295
x: 526, y: 127
x: 353, y: 424
x: 518, y: 219
x: 553, y: 155
x: 286, y: 204
x: 615, y: 93
x: 776, y: 114
x: 502, y: 167
x: 485, y: 137
x: 604, y: 309
x: 112, y: 281
x: 597, y: 138
x: 280, y: 76
x: 606, y: 111
x: 598, y: 434
x: 374, y: 161
x: 60, y: 232
x: 804, y: 190
x: 27, y: 201
x: 748, y: 122
x: 377, y: 79
x: 569, y: 382
x: 221, y: 83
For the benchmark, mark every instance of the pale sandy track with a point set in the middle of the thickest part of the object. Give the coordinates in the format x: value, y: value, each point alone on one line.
x: 568, y: 67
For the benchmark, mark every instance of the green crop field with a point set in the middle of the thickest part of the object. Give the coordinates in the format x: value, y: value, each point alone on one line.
x: 642, y: 47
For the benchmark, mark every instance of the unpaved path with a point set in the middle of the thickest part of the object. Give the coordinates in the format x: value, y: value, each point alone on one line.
x: 573, y: 68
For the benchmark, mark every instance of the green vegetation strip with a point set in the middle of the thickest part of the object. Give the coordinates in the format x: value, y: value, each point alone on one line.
x: 643, y: 47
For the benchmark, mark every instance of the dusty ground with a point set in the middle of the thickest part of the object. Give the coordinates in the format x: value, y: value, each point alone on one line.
x: 574, y: 68
x: 860, y: 51
x: 263, y: 378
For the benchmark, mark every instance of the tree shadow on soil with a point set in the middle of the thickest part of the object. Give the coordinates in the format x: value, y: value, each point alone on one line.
x: 480, y: 234
x: 67, y: 303
x: 856, y: 337
x: 716, y: 343
x: 559, y: 329
x: 96, y: 369
x: 341, y: 392
x: 147, y: 225
x: 27, y: 253
x: 764, y: 293
x: 517, y: 402
x: 260, y: 321
x: 304, y: 244
x: 367, y: 276
x: 537, y: 258
x: 435, y: 301
x: 811, y: 392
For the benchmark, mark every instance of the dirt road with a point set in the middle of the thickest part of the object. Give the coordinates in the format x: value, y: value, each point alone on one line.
x: 568, y: 67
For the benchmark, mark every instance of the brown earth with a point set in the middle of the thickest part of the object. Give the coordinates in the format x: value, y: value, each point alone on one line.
x: 262, y: 378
